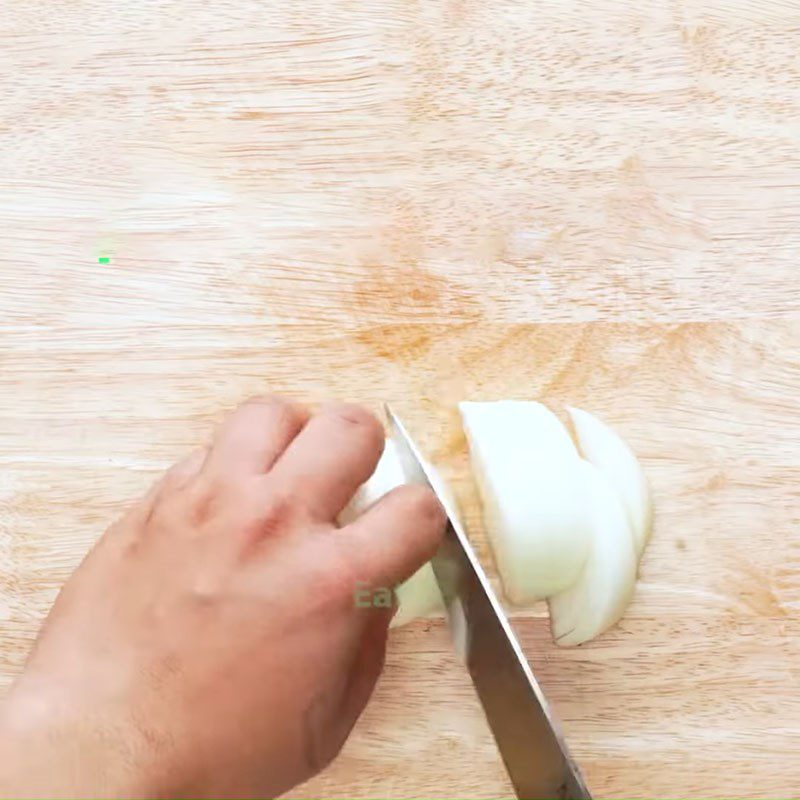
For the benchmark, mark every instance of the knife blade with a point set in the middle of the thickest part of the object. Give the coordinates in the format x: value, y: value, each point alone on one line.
x: 527, y: 735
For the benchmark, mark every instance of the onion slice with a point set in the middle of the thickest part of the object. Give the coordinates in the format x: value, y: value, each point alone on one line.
x: 604, y: 448
x: 535, y: 511
x: 603, y: 590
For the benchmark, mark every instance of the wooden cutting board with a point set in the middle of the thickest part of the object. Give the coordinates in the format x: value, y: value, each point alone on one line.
x: 585, y: 202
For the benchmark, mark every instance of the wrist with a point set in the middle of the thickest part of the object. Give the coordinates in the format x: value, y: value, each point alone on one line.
x: 48, y: 749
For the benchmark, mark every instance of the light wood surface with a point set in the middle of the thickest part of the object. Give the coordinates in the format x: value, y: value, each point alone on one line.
x: 581, y: 201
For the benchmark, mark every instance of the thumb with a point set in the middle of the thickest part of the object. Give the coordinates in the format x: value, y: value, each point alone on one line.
x: 391, y: 540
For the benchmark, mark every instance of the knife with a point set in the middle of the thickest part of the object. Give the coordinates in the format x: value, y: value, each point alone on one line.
x: 527, y: 735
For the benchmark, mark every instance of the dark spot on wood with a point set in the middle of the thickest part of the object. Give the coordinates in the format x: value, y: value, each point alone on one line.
x: 404, y: 342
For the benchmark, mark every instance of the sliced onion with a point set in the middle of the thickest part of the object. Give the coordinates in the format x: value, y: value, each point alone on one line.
x: 561, y: 527
x: 535, y: 511
x: 600, y: 595
x: 604, y: 448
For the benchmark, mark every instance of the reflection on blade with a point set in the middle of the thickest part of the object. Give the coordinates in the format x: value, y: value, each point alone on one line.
x: 528, y: 738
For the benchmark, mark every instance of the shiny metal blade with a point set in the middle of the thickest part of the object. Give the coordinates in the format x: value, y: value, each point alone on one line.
x: 529, y: 739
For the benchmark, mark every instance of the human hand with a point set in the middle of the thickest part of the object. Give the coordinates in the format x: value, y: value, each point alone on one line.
x: 210, y: 644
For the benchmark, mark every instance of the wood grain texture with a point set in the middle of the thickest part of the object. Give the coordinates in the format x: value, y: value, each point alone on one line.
x: 580, y: 201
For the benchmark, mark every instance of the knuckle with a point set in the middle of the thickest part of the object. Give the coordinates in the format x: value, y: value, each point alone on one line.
x: 206, y: 500
x: 180, y: 474
x: 213, y: 496
x: 206, y: 589
x: 256, y: 507
x: 275, y: 513
x: 170, y: 514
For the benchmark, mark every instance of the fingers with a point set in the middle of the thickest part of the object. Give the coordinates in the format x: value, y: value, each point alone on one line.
x: 395, y: 537
x: 334, y: 454
x: 253, y: 436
